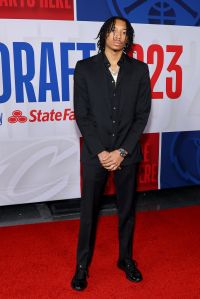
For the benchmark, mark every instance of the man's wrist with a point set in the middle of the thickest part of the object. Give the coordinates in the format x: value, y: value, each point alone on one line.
x: 123, y: 153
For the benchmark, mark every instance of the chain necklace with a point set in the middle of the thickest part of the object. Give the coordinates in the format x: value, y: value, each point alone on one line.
x: 114, y: 73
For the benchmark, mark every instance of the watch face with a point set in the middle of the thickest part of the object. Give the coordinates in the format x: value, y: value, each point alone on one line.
x: 122, y: 152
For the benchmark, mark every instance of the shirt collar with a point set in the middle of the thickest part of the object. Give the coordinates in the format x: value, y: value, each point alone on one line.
x: 107, y: 63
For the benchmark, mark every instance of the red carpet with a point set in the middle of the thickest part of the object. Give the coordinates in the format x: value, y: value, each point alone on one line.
x: 38, y: 261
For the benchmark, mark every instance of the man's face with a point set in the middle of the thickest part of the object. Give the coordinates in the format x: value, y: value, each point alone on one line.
x: 117, y: 38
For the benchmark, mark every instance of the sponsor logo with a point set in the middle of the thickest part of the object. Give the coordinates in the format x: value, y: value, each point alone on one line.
x: 37, y: 115
x: 17, y: 117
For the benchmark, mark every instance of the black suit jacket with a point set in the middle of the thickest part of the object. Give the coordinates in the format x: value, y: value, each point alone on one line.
x: 92, y: 107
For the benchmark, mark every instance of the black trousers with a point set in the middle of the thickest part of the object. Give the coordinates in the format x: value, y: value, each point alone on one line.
x: 94, y: 180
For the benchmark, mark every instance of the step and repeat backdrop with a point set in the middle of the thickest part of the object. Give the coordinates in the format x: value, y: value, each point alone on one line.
x: 40, y: 43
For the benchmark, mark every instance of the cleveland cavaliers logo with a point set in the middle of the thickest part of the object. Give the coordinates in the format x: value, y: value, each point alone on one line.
x: 168, y: 12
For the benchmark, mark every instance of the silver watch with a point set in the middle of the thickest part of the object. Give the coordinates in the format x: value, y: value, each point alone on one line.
x: 123, y: 152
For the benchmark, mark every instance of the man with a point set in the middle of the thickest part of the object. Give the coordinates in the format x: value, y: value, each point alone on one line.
x: 112, y: 103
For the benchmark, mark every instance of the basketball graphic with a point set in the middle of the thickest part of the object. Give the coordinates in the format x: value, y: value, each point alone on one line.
x: 162, y: 13
x: 167, y: 12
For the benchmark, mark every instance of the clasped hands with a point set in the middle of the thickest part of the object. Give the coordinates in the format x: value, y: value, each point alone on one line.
x: 110, y: 160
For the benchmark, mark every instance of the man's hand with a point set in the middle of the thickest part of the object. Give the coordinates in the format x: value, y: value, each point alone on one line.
x: 103, y: 156
x: 112, y: 161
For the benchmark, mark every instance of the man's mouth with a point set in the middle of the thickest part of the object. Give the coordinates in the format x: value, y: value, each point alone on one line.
x: 117, y: 43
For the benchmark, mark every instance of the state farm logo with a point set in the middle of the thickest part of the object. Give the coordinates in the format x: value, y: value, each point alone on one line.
x: 17, y: 117
x: 42, y: 116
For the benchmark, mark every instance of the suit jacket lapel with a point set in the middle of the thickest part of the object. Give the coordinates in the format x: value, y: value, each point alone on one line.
x: 102, y: 81
x: 126, y: 77
x: 123, y: 78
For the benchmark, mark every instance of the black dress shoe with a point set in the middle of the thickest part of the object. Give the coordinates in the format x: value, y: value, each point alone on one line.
x: 79, y: 281
x: 131, y: 270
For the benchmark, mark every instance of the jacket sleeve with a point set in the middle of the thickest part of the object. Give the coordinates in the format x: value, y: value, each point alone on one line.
x: 83, y: 113
x: 143, y: 107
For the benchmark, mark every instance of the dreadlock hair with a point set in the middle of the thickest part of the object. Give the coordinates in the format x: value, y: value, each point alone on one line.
x: 108, y: 26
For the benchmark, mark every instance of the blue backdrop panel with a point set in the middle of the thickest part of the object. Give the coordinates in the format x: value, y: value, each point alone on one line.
x: 180, y: 159
x: 169, y: 12
x: 88, y: 10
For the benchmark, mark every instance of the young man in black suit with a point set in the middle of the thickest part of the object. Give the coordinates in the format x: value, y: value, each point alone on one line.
x: 112, y: 100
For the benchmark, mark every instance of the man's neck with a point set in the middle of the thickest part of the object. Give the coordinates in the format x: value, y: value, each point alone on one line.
x: 113, y: 56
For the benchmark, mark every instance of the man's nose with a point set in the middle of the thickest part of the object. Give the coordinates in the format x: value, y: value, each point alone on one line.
x: 117, y: 35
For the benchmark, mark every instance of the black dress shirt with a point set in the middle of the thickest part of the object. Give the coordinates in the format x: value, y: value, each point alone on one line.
x: 114, y: 92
